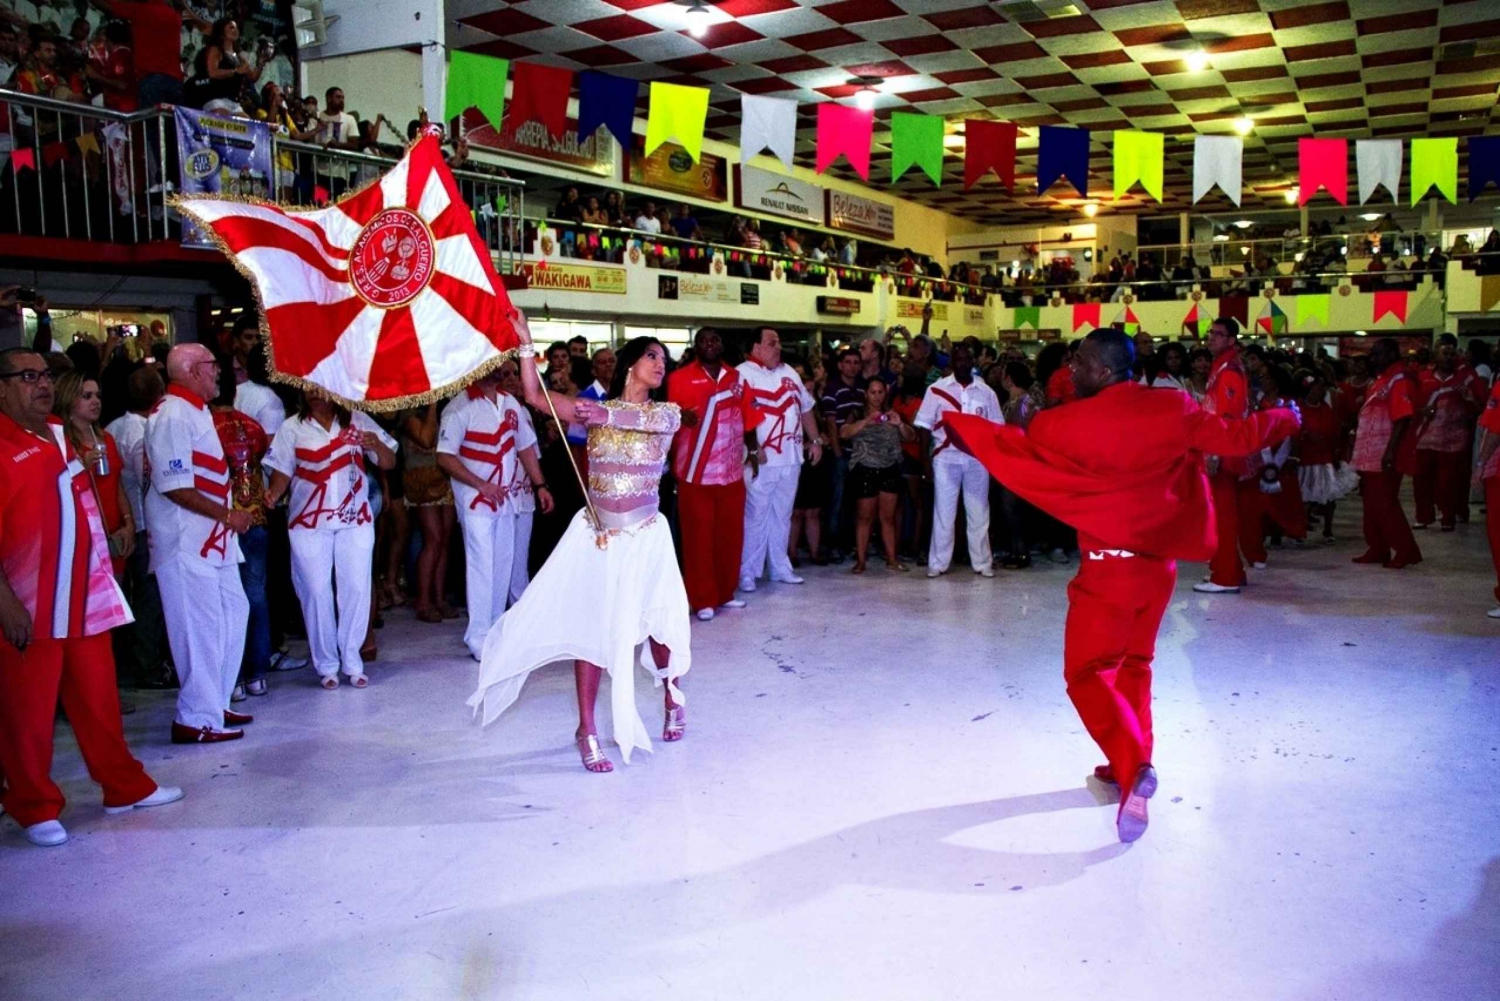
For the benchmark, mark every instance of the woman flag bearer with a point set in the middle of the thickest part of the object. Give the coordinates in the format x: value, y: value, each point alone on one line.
x: 320, y: 455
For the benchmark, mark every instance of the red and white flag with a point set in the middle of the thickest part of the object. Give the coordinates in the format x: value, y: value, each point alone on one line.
x: 386, y: 300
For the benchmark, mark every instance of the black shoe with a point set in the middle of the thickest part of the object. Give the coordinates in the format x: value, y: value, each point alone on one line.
x: 1015, y: 563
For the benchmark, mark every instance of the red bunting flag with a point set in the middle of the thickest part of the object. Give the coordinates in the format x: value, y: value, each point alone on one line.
x: 1390, y: 304
x: 989, y: 146
x: 24, y: 157
x: 53, y: 152
x: 539, y: 93
x: 847, y: 131
x: 1323, y: 163
x: 1237, y: 307
x: 1085, y: 313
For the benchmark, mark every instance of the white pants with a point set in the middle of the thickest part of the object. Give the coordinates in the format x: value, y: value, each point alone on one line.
x: 489, y: 550
x: 329, y: 565
x: 768, y: 520
x: 206, y: 612
x: 520, y: 575
x: 950, y: 475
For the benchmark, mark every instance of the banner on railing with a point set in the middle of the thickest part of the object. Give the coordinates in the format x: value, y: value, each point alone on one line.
x: 221, y: 155
x: 533, y: 141
x: 670, y: 168
x: 854, y: 214
x: 576, y: 278
x: 779, y: 194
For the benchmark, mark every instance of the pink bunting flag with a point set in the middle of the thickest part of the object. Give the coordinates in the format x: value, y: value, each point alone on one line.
x: 1390, y: 304
x: 24, y: 157
x: 1085, y: 312
x: 847, y: 131
x: 1323, y: 163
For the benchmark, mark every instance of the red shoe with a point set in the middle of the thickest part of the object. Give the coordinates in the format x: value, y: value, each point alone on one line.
x: 1105, y: 774
x: 232, y: 718
x: 1370, y: 557
x: 207, y: 735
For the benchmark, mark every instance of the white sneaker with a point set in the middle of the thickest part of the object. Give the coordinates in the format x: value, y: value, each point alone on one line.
x: 47, y: 834
x: 733, y: 603
x: 747, y: 584
x: 704, y: 614
x: 1209, y: 587
x: 161, y: 797
x: 1494, y: 613
x: 986, y: 572
x: 792, y: 579
x: 1257, y: 566
x: 931, y: 573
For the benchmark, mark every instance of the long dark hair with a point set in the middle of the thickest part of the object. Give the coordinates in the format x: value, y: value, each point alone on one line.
x: 633, y: 351
x: 1049, y: 360
x: 340, y: 412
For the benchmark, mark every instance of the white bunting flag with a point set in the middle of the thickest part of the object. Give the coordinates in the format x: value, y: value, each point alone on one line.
x: 768, y: 123
x: 1379, y: 163
x: 1217, y: 160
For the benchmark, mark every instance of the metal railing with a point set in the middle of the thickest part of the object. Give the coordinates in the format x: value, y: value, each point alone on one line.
x: 87, y: 173
x: 1232, y: 251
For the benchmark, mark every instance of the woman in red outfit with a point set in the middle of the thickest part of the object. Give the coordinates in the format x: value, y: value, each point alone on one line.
x: 1322, y: 474
x: 77, y: 402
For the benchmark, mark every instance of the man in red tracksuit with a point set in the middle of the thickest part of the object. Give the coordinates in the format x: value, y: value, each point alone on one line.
x: 1124, y: 466
x: 1228, y: 397
x: 708, y: 459
x: 1379, y: 456
x: 1450, y: 397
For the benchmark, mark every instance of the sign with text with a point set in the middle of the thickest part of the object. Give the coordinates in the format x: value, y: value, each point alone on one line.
x: 779, y: 194
x: 534, y: 142
x: 749, y: 294
x: 912, y: 309
x: 973, y: 314
x: 576, y: 278
x: 856, y: 214
x: 698, y: 289
x: 838, y: 305
x: 670, y: 168
x: 221, y: 155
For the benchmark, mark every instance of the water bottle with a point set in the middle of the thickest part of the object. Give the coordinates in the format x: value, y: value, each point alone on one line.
x: 101, y: 460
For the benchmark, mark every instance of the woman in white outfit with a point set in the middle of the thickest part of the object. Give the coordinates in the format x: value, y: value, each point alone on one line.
x: 611, y: 595
x: 320, y: 456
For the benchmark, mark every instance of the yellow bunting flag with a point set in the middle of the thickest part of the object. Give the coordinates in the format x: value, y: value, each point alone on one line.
x: 1312, y: 307
x: 1138, y: 157
x: 677, y: 114
x: 1434, y: 162
x: 1489, y: 292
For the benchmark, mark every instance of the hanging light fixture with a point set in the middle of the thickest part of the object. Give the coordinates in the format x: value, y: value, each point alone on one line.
x: 697, y: 20
x: 1196, y: 61
x: 1244, y: 125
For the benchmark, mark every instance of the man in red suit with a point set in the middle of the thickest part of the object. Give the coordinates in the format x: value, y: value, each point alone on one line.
x: 1487, y: 472
x: 1381, y: 457
x: 1123, y: 465
x: 1228, y: 396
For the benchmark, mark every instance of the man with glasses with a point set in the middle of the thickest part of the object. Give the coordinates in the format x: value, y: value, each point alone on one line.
x: 195, y: 549
x: 58, y: 603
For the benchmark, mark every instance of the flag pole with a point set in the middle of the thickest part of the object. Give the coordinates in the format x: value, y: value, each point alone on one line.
x: 601, y: 538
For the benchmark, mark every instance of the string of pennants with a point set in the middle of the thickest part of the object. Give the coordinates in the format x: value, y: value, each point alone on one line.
x: 678, y: 113
x: 24, y: 158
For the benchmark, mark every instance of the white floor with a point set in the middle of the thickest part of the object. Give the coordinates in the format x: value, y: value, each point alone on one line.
x: 881, y: 795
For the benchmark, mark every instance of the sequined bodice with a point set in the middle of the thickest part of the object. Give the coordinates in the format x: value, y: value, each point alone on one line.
x: 627, y: 456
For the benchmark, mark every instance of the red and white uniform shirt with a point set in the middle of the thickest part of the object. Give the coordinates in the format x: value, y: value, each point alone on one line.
x: 778, y: 399
x: 947, y: 396
x: 183, y: 452
x: 487, y: 436
x: 520, y: 495
x: 713, y: 453
x: 1448, y: 429
x: 330, y: 488
x: 1489, y: 419
x: 53, y: 547
x: 1389, y: 399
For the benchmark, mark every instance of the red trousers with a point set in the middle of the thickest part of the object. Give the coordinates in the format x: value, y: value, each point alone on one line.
x: 1492, y: 520
x: 1260, y: 512
x: 712, y: 520
x: 1115, y: 606
x: 81, y: 672
x: 1442, y: 481
x: 1387, y: 533
x: 1225, y: 568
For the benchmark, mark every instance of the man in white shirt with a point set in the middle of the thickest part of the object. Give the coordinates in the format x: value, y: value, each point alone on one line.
x: 520, y: 498
x: 646, y: 221
x: 951, y: 470
x: 785, y: 410
x: 129, y: 430
x: 604, y: 374
x: 195, y: 550
x: 481, y: 440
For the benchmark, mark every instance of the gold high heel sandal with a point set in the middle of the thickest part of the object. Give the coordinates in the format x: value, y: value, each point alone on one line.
x: 593, y: 756
x: 674, y: 726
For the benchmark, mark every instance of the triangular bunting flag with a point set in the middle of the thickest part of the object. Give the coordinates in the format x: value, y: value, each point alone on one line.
x: 475, y: 81
x: 1434, y: 163
x: 844, y: 130
x: 917, y: 139
x: 1484, y: 163
x: 1323, y: 163
x: 88, y: 143
x: 1313, y: 307
x: 1085, y: 313
x: 1218, y: 160
x: 1063, y: 152
x: 53, y: 152
x: 1489, y: 292
x: 677, y: 114
x: 989, y: 146
x: 1236, y: 307
x: 23, y: 158
x: 539, y: 94
x: 1390, y: 304
x: 1273, y: 320
x: 1197, y: 322
x: 1138, y: 157
x: 1029, y: 315
x: 1379, y: 162
x: 768, y: 123
x: 609, y: 101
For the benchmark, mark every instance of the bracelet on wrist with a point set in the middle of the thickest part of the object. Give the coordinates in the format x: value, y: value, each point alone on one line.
x: 526, y: 351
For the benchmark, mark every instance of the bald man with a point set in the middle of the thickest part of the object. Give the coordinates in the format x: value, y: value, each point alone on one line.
x: 195, y: 549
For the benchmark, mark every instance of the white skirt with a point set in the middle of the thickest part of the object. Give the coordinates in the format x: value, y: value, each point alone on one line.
x: 1322, y: 484
x: 598, y: 605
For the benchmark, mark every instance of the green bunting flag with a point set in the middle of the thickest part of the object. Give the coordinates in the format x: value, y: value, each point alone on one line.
x: 1029, y: 314
x: 1313, y: 307
x: 917, y: 139
x: 475, y: 81
x: 1138, y: 157
x: 1434, y: 162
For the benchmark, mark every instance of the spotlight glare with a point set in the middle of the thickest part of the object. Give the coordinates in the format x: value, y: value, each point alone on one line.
x: 1244, y: 125
x: 1197, y: 61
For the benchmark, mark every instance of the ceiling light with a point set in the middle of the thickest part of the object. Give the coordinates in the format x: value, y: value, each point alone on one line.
x: 1244, y: 223
x: 1359, y: 333
x: 1292, y: 195
x: 697, y: 18
x: 1197, y: 61
x: 1370, y: 216
x: 1221, y: 238
x: 1244, y: 125
x: 1298, y: 256
x: 1344, y: 250
x: 864, y: 99
x: 1244, y: 251
x: 1091, y: 210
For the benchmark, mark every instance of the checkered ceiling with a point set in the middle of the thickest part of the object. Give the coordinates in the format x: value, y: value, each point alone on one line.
x: 1345, y: 68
